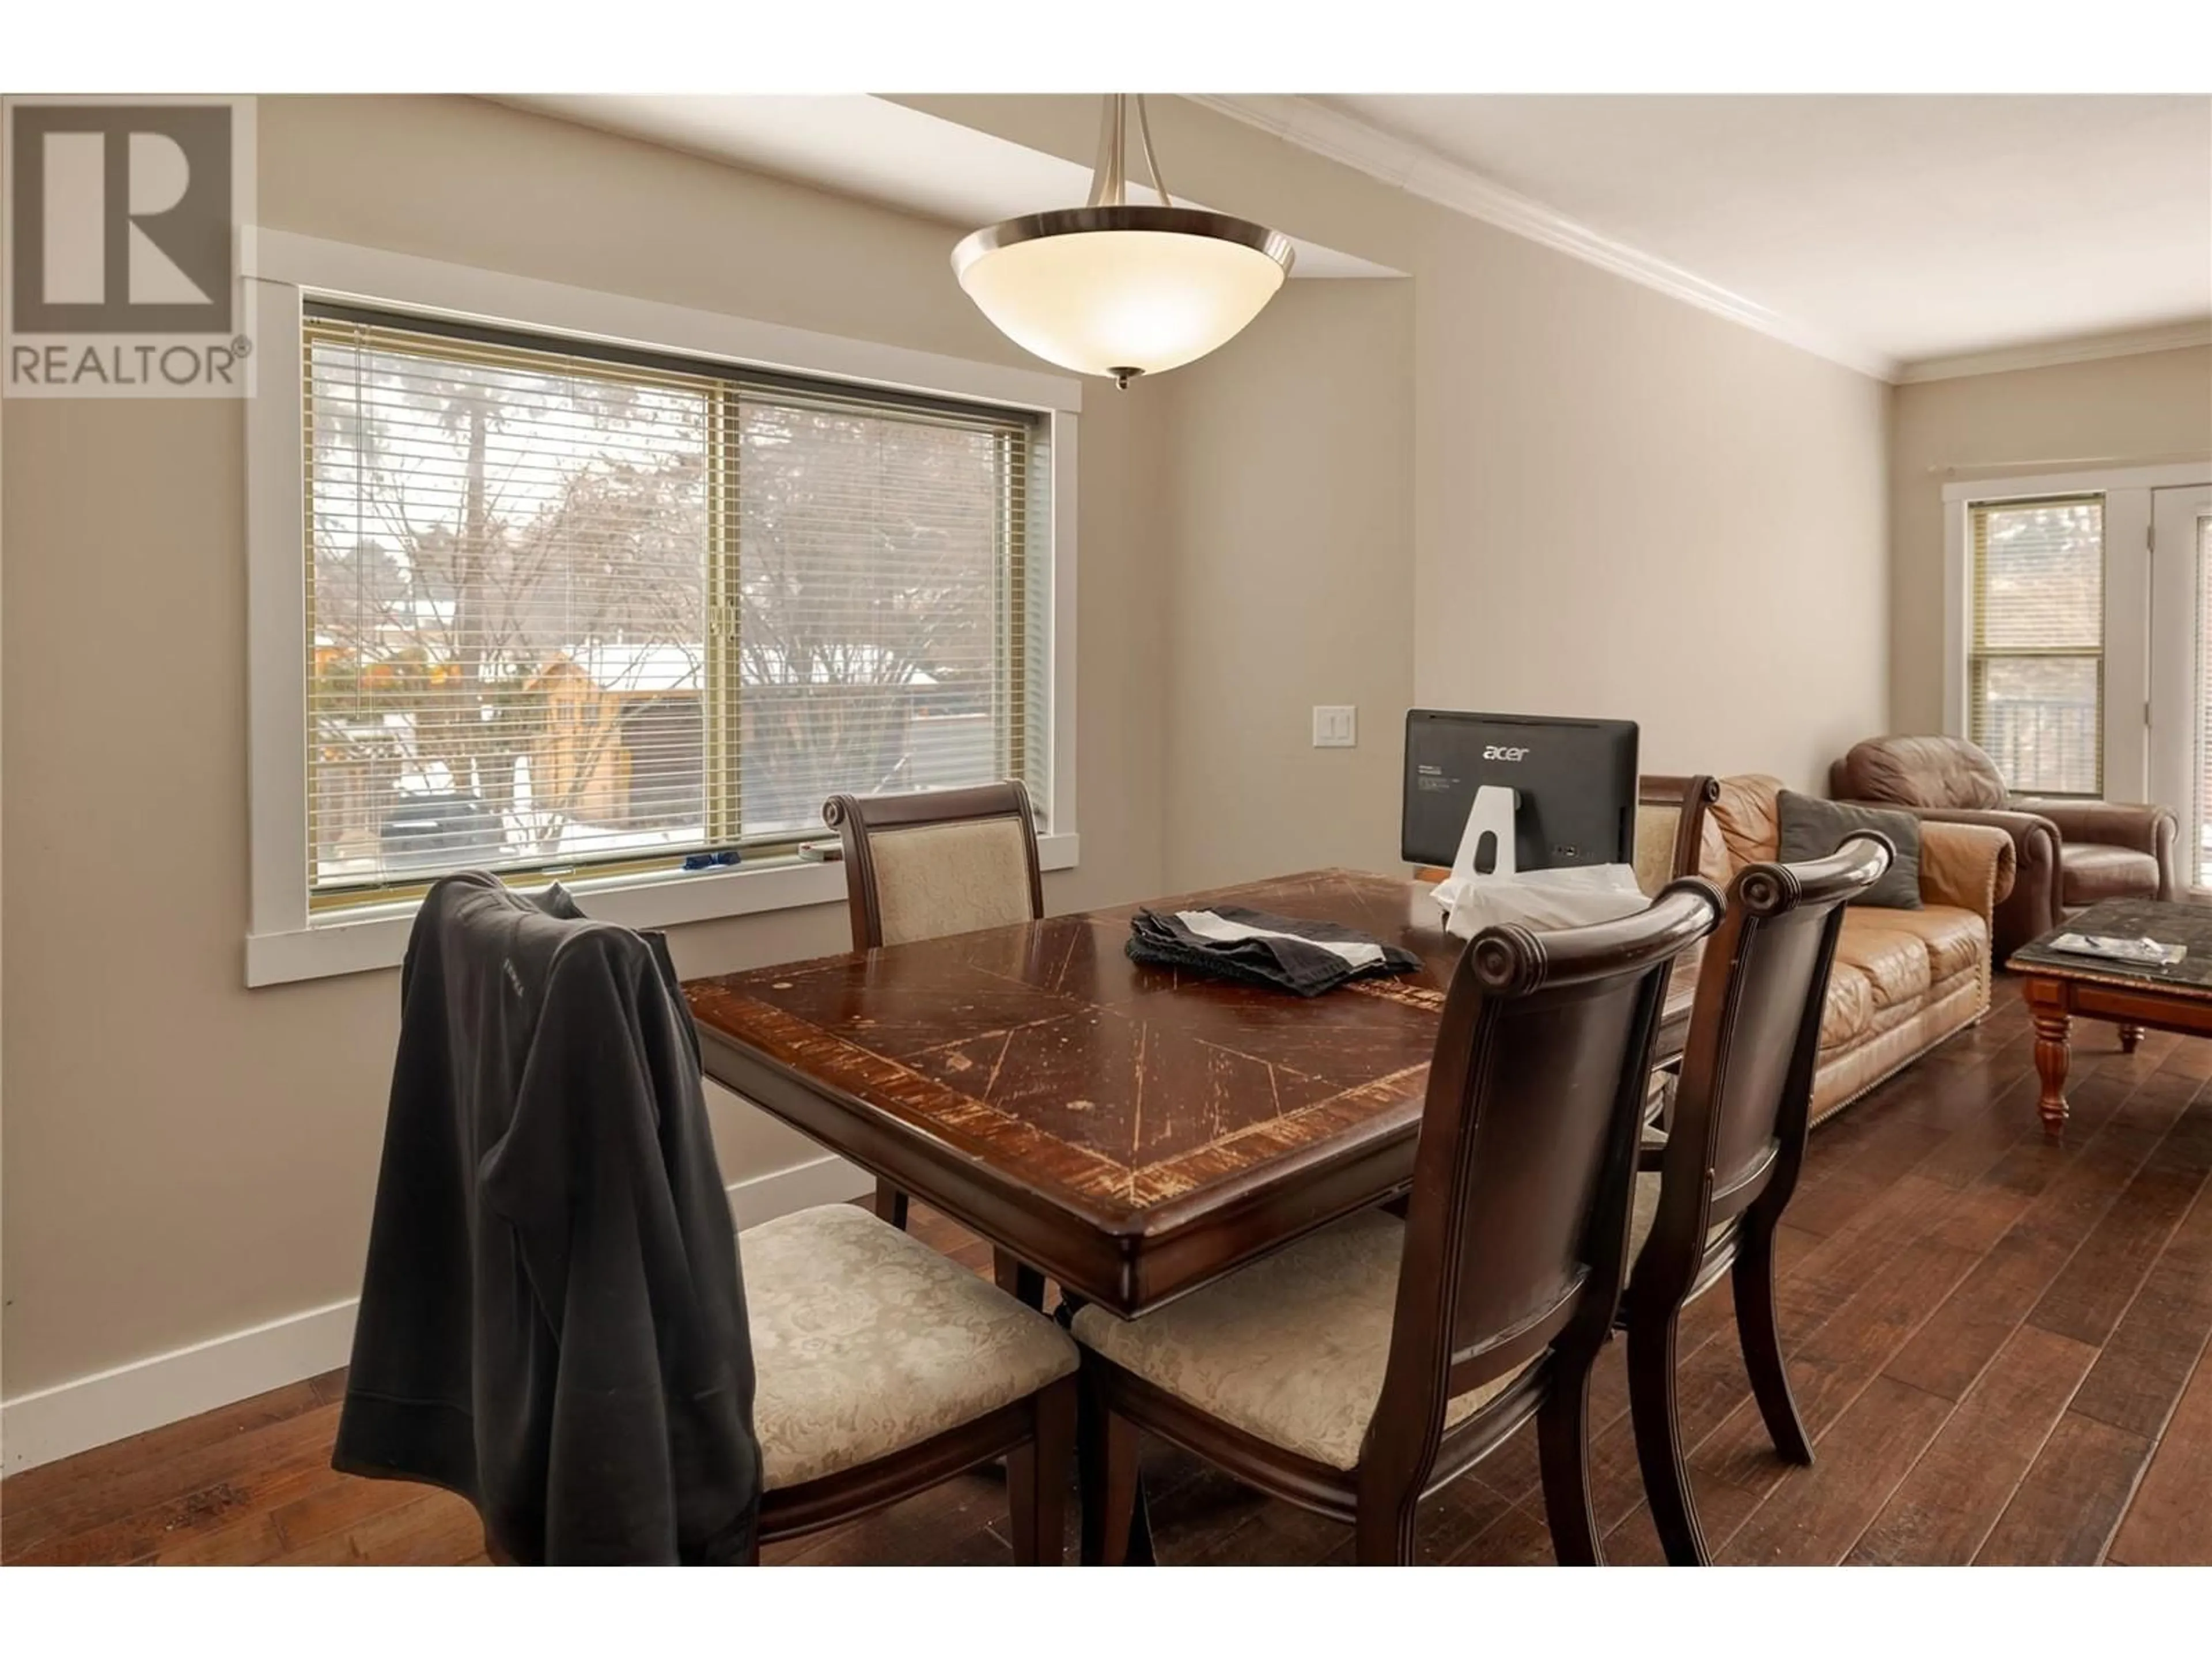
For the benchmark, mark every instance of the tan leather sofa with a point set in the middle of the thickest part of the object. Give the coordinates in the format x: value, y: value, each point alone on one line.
x: 1904, y: 980
x: 2070, y: 854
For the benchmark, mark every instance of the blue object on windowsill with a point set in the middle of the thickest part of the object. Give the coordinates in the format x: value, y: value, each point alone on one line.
x: 709, y: 860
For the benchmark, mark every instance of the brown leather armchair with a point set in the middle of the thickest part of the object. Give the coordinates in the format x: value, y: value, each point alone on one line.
x: 2070, y: 854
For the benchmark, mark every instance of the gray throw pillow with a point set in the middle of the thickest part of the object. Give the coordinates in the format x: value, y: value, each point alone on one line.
x: 1812, y: 829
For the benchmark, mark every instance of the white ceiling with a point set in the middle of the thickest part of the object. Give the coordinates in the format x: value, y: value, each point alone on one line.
x: 1899, y: 228
x: 1898, y: 235
x: 878, y: 151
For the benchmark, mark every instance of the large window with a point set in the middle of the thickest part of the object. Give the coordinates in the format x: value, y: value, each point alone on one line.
x: 2035, y: 679
x: 572, y: 608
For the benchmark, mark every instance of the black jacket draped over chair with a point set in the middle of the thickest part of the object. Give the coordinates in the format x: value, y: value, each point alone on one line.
x: 552, y: 1323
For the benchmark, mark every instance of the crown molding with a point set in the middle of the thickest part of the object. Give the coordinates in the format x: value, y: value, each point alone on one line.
x: 1422, y: 173
x: 2045, y: 353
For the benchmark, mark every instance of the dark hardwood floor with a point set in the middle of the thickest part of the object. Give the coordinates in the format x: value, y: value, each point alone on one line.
x: 1998, y: 1343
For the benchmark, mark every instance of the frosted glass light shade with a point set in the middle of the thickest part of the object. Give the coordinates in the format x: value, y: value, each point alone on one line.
x: 1122, y: 290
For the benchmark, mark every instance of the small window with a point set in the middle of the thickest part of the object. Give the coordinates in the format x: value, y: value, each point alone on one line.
x: 575, y: 610
x: 2035, y: 676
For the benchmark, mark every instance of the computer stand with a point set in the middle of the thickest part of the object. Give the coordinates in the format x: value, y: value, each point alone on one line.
x: 1490, y: 815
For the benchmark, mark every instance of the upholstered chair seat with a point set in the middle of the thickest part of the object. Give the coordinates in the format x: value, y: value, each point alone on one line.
x: 866, y: 1341
x: 1290, y: 1349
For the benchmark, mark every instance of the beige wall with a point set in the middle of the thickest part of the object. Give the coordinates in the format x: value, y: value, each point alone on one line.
x: 1289, y: 577
x: 186, y: 1158
x: 1622, y: 506
x: 1632, y: 509
x: 2115, y: 411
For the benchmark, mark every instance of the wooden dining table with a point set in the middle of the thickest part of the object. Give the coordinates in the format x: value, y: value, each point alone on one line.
x: 1131, y: 1131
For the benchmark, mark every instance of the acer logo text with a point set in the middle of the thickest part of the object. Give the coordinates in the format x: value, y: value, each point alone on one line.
x: 1501, y: 751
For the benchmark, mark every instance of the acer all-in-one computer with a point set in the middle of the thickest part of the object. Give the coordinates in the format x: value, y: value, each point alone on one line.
x: 1574, y: 784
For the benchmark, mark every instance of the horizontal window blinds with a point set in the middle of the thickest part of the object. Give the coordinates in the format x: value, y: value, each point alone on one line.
x: 882, y: 562
x: 573, y: 610
x: 2036, y: 663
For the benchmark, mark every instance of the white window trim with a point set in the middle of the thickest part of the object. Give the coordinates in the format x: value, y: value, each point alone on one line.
x: 2127, y: 659
x: 283, y: 942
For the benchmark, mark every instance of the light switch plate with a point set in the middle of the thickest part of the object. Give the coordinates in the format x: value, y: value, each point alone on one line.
x: 1336, y: 726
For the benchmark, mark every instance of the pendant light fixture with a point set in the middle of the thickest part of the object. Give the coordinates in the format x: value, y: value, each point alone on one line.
x: 1118, y: 288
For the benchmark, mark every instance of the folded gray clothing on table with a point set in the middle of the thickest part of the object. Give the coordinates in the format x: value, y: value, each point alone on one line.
x: 1287, y: 953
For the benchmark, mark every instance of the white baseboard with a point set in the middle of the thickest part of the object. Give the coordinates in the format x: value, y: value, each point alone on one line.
x: 828, y: 1179
x: 108, y: 1406
x: 91, y: 1411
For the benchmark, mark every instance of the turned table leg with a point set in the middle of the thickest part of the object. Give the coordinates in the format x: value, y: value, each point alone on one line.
x: 2130, y: 1036
x: 2051, y: 1052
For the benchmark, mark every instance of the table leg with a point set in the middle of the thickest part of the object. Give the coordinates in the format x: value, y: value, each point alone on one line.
x: 1024, y: 1283
x: 2130, y: 1036
x: 2051, y: 1056
x: 890, y: 1205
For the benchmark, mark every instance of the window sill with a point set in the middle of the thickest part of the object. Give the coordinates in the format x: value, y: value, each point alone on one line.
x: 367, y: 941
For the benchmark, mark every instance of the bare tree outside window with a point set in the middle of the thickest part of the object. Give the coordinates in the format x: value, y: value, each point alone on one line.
x: 869, y: 627
x: 511, y: 632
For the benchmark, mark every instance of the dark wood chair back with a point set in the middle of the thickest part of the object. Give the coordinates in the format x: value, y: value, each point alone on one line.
x: 862, y: 822
x: 1517, y: 1226
x: 1740, y: 1114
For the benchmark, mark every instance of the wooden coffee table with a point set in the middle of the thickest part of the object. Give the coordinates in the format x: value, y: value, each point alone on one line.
x: 2061, y: 986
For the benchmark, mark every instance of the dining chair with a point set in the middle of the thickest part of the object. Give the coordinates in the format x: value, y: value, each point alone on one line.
x: 1376, y: 1360
x: 883, y: 1368
x: 1711, y: 1190
x: 1670, y: 825
x: 941, y: 862
x: 1670, y: 842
